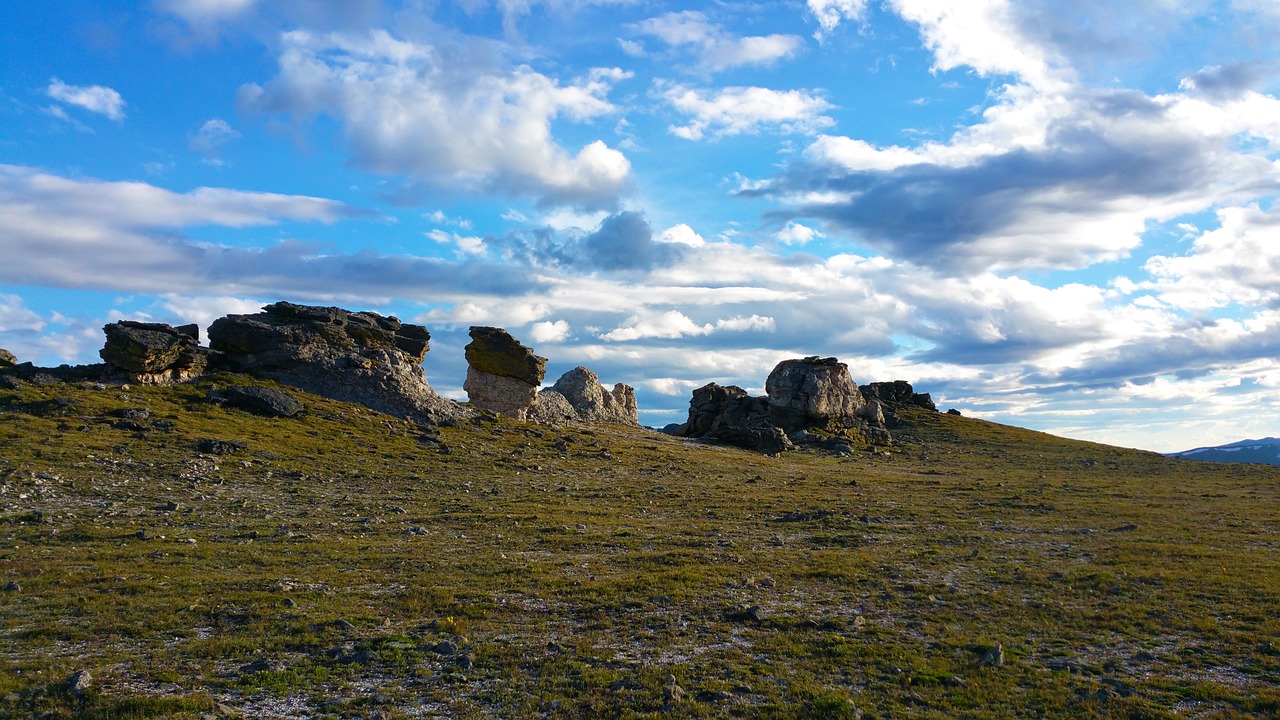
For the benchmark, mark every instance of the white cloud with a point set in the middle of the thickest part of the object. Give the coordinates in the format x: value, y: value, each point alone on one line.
x: 796, y: 234
x: 1235, y: 264
x: 94, y: 98
x: 830, y: 13
x: 15, y: 316
x: 738, y: 110
x: 716, y: 49
x: 549, y: 332
x: 681, y: 234
x: 981, y: 34
x: 211, y: 137
x: 675, y: 324
x: 439, y: 114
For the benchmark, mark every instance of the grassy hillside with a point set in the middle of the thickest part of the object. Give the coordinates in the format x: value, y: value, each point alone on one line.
x: 346, y: 564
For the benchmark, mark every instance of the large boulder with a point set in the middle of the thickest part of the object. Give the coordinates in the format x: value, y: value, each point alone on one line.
x: 359, y: 357
x: 502, y: 375
x: 270, y: 402
x: 578, y: 395
x: 812, y: 389
x: 7, y: 359
x: 154, y: 353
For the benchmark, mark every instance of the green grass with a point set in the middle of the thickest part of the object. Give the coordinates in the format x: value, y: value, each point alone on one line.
x: 575, y: 569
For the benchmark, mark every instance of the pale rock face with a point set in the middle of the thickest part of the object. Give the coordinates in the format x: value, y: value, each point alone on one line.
x: 814, y: 389
x: 497, y: 393
x: 154, y: 353
x: 578, y: 396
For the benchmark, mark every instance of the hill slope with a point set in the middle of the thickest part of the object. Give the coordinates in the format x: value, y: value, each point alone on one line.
x: 346, y: 564
x: 1258, y: 452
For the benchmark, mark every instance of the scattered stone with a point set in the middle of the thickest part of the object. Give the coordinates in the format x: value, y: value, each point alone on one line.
x: 1124, y: 528
x: 992, y: 656
x: 344, y: 625
x: 466, y: 661
x: 671, y: 691
x: 265, y: 401
x: 445, y: 647
x: 79, y: 682
x: 166, y: 507
x: 132, y: 414
x: 260, y: 665
x: 12, y: 586
x: 953, y: 411
x: 211, y: 446
x: 746, y: 613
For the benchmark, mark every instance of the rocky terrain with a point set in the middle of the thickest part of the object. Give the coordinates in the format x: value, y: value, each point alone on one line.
x: 236, y: 545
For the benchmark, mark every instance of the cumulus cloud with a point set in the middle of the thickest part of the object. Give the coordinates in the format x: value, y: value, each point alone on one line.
x: 1237, y: 263
x: 675, y: 324
x: 1046, y: 180
x: 446, y: 115
x: 681, y: 234
x: 94, y: 98
x: 549, y: 331
x: 744, y: 110
x: 793, y: 233
x: 714, y: 47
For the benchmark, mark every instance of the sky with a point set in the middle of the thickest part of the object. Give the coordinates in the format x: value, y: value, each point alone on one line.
x: 1060, y: 216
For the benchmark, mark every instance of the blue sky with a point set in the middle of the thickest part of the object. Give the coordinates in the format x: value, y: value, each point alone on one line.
x: 1055, y: 215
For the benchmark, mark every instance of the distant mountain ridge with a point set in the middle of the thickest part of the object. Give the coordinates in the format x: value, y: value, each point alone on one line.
x: 1265, y: 451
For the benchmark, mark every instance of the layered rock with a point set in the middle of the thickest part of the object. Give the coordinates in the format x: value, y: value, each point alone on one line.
x: 359, y: 357
x: 154, y: 353
x: 897, y: 394
x: 810, y: 394
x: 502, y: 375
x: 579, y: 396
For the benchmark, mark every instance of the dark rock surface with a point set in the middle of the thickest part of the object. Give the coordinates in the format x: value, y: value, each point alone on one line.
x: 897, y: 395
x: 270, y: 402
x: 359, y: 357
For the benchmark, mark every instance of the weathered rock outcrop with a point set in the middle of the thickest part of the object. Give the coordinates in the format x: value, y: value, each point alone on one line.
x: 502, y: 375
x: 897, y: 394
x: 359, y: 357
x: 154, y: 353
x: 812, y: 389
x: 809, y: 394
x: 7, y: 359
x: 579, y: 396
x: 728, y: 414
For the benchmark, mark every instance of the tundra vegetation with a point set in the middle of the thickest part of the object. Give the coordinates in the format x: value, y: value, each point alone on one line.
x: 165, y: 556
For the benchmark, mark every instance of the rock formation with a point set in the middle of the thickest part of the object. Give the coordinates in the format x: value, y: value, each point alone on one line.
x: 804, y: 395
x: 578, y: 396
x: 7, y: 359
x: 727, y: 414
x: 154, y: 353
x: 502, y: 375
x: 359, y: 357
x: 895, y: 396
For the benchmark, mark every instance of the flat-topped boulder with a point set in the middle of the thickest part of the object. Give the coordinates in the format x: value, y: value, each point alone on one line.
x: 154, y: 353
x: 502, y: 374
x: 359, y: 357
x: 579, y: 396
